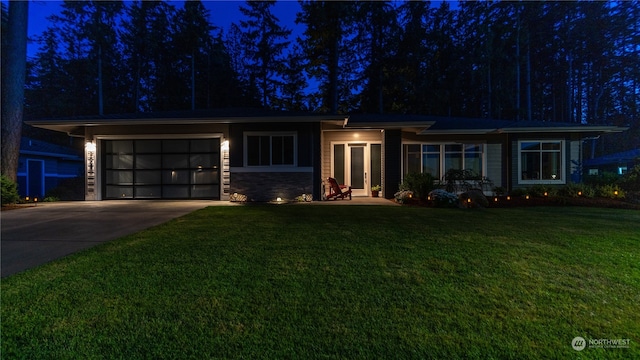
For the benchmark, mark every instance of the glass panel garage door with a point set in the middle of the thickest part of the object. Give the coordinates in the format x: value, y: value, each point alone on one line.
x: 162, y: 169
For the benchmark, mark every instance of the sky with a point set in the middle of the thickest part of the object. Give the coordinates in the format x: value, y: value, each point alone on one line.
x: 222, y: 14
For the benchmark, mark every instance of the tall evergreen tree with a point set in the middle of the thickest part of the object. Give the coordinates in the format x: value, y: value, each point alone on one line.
x: 264, y: 47
x: 14, y: 58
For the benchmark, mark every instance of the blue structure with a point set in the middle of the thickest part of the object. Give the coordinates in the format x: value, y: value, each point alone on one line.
x: 42, y: 165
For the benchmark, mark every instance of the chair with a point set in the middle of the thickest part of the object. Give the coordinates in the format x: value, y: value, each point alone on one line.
x: 337, y: 191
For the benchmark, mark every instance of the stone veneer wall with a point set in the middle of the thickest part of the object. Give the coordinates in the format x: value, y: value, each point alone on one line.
x: 267, y: 186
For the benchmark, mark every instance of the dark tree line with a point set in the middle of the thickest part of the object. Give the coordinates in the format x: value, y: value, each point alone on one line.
x: 551, y: 61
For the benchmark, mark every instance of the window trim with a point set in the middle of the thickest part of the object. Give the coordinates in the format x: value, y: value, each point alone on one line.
x: 563, y: 162
x: 270, y: 134
x: 442, y: 145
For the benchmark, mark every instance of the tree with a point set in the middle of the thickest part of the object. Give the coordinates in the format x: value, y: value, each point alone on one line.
x: 263, y: 47
x: 14, y: 60
x: 325, y: 45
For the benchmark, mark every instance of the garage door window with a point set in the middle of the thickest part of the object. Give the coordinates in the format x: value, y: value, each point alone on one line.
x: 173, y: 168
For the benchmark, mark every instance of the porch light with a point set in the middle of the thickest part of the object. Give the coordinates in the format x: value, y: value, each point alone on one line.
x: 90, y: 146
x: 224, y: 146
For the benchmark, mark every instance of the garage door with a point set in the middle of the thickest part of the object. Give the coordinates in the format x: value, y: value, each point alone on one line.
x: 162, y: 169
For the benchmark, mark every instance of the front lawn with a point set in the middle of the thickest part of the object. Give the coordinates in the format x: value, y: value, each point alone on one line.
x: 301, y: 281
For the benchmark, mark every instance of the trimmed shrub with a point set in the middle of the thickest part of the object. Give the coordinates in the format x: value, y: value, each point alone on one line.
x: 577, y: 190
x: 443, y: 198
x: 9, y: 191
x: 631, y: 180
x: 519, y: 192
x: 539, y: 190
x: 605, y: 178
x: 419, y: 183
x: 403, y: 196
x: 610, y: 192
x: 478, y: 200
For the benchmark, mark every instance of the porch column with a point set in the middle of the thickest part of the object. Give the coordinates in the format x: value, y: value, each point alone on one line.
x: 392, y: 162
x: 316, y: 158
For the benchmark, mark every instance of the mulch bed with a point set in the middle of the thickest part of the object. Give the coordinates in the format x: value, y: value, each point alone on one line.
x: 521, y: 201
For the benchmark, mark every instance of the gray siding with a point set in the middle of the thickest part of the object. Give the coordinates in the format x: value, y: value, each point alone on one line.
x: 494, y: 164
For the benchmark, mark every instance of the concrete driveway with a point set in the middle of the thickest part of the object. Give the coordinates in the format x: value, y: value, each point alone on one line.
x: 36, y: 235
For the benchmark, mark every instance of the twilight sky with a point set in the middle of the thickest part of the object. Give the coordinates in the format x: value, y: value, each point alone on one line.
x: 222, y: 14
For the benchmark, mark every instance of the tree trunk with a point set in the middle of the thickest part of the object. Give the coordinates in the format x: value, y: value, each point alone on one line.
x: 13, y: 78
x: 100, y: 97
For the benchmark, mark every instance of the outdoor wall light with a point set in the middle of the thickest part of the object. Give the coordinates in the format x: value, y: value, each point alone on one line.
x: 90, y: 146
x: 224, y: 146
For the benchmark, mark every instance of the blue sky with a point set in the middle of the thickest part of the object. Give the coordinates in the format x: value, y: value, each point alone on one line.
x: 222, y: 14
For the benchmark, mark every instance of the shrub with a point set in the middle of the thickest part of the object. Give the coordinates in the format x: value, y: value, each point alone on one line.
x: 443, y: 198
x: 419, y: 183
x: 476, y: 197
x: 605, y: 178
x: 9, y: 191
x: 576, y: 190
x: 403, y: 196
x: 631, y: 180
x: 540, y: 190
x: 610, y: 191
x: 519, y: 192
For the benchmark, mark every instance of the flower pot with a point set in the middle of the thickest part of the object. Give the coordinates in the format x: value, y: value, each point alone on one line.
x: 374, y: 193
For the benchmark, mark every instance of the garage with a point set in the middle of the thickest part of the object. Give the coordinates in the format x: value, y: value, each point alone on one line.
x: 161, y: 168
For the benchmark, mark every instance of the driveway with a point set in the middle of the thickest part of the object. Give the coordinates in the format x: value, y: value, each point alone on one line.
x: 36, y: 235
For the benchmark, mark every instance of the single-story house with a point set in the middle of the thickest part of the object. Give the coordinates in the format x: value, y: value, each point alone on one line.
x: 42, y: 165
x: 618, y: 163
x: 264, y: 155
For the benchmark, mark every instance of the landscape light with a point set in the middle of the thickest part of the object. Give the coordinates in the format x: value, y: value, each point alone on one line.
x: 508, y: 197
x: 526, y: 197
x: 495, y: 199
x: 579, y: 193
x: 545, y: 193
x: 615, y: 192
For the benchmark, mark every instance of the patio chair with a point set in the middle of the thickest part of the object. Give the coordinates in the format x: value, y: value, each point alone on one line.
x: 337, y: 191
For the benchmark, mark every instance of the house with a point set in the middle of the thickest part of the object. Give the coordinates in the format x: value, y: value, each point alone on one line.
x: 618, y: 163
x: 42, y: 165
x: 264, y: 155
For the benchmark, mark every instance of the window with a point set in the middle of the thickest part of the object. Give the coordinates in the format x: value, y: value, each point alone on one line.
x: 437, y: 159
x: 541, y: 161
x: 270, y: 149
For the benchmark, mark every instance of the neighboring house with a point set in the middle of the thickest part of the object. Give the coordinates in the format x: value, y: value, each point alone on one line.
x: 42, y: 165
x: 265, y: 155
x: 618, y: 163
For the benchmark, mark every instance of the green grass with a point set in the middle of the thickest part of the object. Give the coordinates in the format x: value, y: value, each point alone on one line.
x: 339, y: 282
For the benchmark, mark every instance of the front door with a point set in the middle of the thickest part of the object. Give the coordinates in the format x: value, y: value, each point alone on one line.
x: 352, y: 164
x: 357, y: 165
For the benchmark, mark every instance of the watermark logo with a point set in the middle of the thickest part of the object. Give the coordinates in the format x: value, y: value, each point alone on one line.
x: 578, y: 343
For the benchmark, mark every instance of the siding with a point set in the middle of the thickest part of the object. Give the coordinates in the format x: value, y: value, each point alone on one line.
x: 494, y: 163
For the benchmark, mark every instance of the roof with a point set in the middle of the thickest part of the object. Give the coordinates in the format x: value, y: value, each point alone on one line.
x: 209, y: 116
x: 421, y: 124
x: 29, y: 146
x: 617, y: 158
x: 454, y: 125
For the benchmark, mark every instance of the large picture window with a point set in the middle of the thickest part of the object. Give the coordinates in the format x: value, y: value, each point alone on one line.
x: 437, y: 159
x: 270, y: 149
x: 541, y: 161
